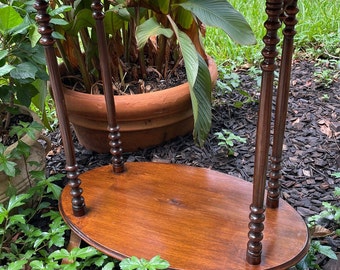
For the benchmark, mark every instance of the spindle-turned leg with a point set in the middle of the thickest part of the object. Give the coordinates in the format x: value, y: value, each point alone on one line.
x: 290, y: 21
x: 74, y: 242
x: 43, y: 19
x: 274, y: 9
x: 114, y: 135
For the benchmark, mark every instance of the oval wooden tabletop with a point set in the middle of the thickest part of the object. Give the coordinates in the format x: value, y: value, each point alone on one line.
x: 195, y: 218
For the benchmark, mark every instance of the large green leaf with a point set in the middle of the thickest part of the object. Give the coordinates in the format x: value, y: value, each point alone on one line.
x: 201, y: 102
x: 150, y: 28
x: 22, y: 27
x: 39, y: 99
x: 6, y: 69
x: 9, y: 18
x: 164, y: 6
x: 59, y: 10
x: 113, y: 22
x: 34, y: 35
x: 25, y: 92
x: 189, y: 53
x: 16, y: 201
x: 83, y: 19
x: 200, y: 85
x: 8, y: 167
x: 24, y: 70
x: 220, y: 13
x: 3, y: 54
x: 183, y: 18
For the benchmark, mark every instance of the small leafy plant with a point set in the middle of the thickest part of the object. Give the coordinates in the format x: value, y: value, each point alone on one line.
x: 20, y: 241
x: 327, y: 71
x: 309, y: 262
x: 230, y: 81
x: 14, y: 159
x: 336, y: 175
x: 78, y: 258
x: 324, y: 77
x: 133, y: 263
x: 23, y: 243
x: 227, y: 138
x: 331, y: 212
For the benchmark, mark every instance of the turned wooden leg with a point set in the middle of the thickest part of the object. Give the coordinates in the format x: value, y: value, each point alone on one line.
x: 74, y: 242
x: 43, y: 19
x: 113, y: 128
x: 289, y: 19
x: 274, y: 9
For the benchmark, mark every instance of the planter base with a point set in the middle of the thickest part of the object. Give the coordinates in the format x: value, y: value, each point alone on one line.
x: 133, y: 140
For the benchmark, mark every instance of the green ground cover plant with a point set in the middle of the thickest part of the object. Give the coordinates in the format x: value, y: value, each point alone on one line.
x: 227, y: 140
x: 318, y: 32
x: 24, y: 244
x: 330, y: 212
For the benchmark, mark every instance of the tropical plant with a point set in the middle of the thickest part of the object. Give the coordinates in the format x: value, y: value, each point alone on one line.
x: 146, y: 36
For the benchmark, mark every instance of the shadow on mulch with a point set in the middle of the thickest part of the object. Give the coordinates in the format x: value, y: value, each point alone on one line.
x: 311, y: 150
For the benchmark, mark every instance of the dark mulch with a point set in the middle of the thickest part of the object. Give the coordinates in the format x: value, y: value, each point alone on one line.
x: 311, y: 150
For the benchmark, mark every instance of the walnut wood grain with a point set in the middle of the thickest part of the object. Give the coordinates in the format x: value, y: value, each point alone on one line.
x: 47, y: 41
x: 113, y: 128
x: 193, y: 217
x: 281, y: 108
x: 274, y: 9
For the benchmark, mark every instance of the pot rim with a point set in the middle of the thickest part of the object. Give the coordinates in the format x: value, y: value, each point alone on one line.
x: 135, y: 106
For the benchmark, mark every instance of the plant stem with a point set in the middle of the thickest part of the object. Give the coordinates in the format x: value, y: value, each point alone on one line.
x: 162, y: 49
x: 82, y: 66
x: 63, y: 55
x: 141, y: 58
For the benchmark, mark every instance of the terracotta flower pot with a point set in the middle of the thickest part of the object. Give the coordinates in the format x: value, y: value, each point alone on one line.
x: 36, y: 161
x: 145, y: 119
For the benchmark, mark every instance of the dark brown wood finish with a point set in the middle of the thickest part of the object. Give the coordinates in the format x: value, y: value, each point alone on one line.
x: 193, y: 217
x: 114, y: 135
x: 47, y: 41
x: 274, y: 9
x: 290, y: 21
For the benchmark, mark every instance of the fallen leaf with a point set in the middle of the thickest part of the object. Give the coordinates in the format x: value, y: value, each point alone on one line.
x: 320, y: 231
